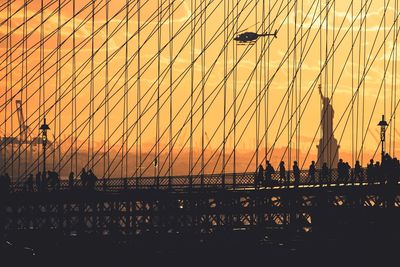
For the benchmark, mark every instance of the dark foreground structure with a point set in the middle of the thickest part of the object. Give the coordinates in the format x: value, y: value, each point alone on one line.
x: 208, y: 218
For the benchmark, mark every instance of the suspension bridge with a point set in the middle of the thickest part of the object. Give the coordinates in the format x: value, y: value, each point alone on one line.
x: 175, y: 104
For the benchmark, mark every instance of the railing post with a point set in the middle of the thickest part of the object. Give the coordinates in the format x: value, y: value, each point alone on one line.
x: 223, y: 180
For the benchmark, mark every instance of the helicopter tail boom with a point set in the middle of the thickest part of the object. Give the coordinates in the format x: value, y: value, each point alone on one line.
x: 275, y: 34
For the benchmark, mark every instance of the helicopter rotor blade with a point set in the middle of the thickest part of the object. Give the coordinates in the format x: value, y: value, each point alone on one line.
x: 239, y: 32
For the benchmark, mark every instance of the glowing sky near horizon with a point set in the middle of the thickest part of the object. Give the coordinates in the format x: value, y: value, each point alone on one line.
x: 342, y: 75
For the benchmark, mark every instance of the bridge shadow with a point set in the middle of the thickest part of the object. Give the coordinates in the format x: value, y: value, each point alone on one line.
x: 335, y: 248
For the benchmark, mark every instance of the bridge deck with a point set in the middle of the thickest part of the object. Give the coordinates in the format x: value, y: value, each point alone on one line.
x: 210, y: 181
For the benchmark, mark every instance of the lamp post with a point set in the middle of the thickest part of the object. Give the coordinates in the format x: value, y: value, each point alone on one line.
x: 44, y: 127
x: 383, y: 124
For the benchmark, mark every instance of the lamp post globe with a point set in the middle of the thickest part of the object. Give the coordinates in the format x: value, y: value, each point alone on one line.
x: 44, y: 128
x: 383, y: 124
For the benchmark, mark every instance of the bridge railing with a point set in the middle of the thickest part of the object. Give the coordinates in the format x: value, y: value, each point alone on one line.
x: 227, y: 180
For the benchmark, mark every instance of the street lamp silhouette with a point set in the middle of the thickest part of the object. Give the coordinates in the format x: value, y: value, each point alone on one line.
x: 383, y: 124
x: 44, y: 129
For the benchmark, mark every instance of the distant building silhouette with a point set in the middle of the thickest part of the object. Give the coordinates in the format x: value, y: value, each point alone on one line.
x: 328, y: 149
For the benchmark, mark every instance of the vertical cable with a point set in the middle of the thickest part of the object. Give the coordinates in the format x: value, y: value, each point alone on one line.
x: 336, y: 152
x: 263, y: 75
x: 327, y: 115
x: 203, y: 62
x: 124, y: 126
x: 91, y: 107
x: 25, y: 45
x: 294, y: 95
x: 22, y: 134
x: 396, y: 10
x: 352, y: 85
x: 391, y: 134
x: 93, y: 83
x: 157, y: 147
x: 123, y: 137
x: 225, y: 72
x: 11, y: 89
x: 57, y: 108
x: 41, y: 85
x: 6, y: 85
x: 139, y: 111
x: 333, y: 67
x: 358, y: 81
x: 234, y: 50
x: 384, y: 58
x: 364, y: 73
x: 106, y: 150
x: 73, y: 107
x: 294, y: 83
x: 288, y: 85
x: 300, y: 83
x: 256, y: 77
x: 171, y: 50
x: 320, y: 77
x: 226, y: 54
x: 267, y: 82
x: 193, y: 7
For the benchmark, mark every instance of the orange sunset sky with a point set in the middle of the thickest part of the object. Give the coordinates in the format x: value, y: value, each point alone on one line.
x: 291, y: 90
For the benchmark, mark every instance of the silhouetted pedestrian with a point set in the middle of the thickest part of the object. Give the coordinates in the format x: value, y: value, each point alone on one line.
x: 346, y: 170
x: 370, y: 172
x: 388, y: 168
x: 340, y: 171
x: 296, y: 173
x: 38, y: 181
x: 311, y: 172
x: 324, y: 173
x: 358, y: 172
x: 91, y: 179
x: 396, y: 169
x: 54, y: 180
x: 269, y: 171
x: 259, y: 177
x: 71, y: 178
x: 378, y: 174
x: 29, y: 182
x: 44, y: 181
x: 84, y: 178
x: 282, y: 172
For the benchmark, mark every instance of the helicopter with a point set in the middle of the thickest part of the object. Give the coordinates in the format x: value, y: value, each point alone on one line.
x: 251, y: 37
